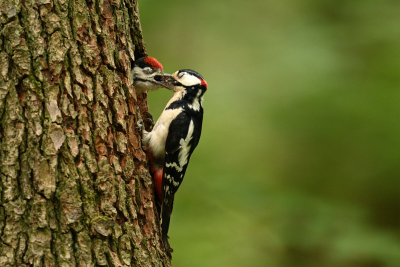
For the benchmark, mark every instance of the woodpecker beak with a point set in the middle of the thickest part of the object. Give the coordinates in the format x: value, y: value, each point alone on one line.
x: 169, y: 81
x: 163, y: 80
x: 160, y: 80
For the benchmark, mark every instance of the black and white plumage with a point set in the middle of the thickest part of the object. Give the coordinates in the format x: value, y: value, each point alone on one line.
x: 173, y: 139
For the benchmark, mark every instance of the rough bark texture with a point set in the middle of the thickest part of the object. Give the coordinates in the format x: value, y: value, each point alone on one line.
x: 74, y: 184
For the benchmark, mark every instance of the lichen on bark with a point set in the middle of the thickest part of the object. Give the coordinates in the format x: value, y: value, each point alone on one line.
x: 74, y: 185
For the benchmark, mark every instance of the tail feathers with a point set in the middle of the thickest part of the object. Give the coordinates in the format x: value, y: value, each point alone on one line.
x: 166, y: 211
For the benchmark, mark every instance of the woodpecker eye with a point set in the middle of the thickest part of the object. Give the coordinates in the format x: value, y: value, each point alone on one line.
x: 148, y: 71
x: 180, y: 75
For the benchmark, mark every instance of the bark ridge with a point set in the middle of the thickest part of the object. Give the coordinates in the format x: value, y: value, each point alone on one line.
x: 74, y: 184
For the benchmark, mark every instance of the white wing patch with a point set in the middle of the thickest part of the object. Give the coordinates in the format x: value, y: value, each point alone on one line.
x: 185, y: 147
x: 183, y: 153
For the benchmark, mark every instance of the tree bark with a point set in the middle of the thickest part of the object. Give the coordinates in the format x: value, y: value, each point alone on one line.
x: 74, y: 184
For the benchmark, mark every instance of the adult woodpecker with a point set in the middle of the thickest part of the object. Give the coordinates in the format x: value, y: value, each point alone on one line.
x: 173, y: 139
x: 147, y: 76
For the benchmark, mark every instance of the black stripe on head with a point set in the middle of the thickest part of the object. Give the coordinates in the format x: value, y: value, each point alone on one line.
x: 192, y: 72
x: 139, y: 62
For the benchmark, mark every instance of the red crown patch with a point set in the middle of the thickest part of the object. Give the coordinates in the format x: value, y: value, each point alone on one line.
x: 153, y: 63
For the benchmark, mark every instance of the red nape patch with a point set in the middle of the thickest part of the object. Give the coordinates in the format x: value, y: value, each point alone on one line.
x: 204, y: 83
x: 153, y: 63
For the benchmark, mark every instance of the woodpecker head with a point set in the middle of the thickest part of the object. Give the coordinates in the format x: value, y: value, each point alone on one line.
x: 187, y: 81
x: 188, y: 86
x: 147, y: 74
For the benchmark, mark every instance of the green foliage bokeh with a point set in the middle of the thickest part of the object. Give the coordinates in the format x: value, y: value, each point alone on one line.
x: 299, y: 160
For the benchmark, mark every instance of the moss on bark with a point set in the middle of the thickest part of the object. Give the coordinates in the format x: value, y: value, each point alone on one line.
x: 74, y: 185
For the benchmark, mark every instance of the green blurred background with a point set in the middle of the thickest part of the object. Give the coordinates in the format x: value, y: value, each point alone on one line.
x: 299, y: 160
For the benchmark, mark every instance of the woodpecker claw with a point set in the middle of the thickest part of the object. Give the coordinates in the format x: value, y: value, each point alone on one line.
x: 139, y: 124
x: 149, y: 121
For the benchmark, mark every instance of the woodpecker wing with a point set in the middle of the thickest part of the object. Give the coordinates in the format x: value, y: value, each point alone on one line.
x: 181, y: 141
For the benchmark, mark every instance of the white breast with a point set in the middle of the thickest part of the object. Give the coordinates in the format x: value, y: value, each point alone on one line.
x: 158, y: 136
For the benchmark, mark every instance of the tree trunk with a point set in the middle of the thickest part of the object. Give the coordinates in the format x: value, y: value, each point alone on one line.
x: 74, y: 184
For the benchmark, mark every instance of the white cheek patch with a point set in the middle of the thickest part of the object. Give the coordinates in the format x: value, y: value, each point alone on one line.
x: 138, y: 73
x: 189, y: 80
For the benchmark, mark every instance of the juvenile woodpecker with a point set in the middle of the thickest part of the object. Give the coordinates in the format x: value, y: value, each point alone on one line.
x: 147, y: 76
x: 173, y: 139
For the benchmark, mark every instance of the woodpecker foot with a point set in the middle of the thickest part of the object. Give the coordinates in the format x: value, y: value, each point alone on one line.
x: 148, y: 120
x: 140, y: 123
